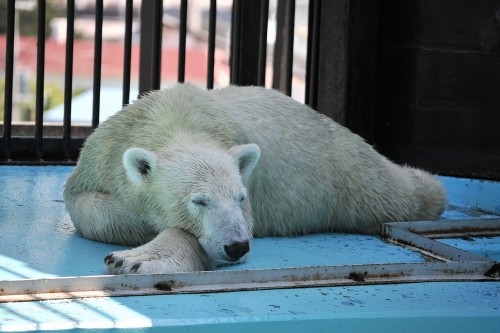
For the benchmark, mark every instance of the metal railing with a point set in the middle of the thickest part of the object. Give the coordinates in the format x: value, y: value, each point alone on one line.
x: 442, y: 263
x: 248, y: 62
x: 348, y: 72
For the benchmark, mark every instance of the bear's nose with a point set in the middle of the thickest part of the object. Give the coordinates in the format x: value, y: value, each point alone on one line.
x: 237, y: 250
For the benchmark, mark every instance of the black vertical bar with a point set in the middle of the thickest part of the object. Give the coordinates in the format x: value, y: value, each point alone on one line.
x: 181, y: 69
x: 311, y: 94
x: 40, y: 72
x: 264, y: 15
x: 212, y: 20
x: 289, y: 51
x: 97, y: 62
x: 68, y: 75
x: 245, y: 41
x: 333, y: 60
x: 363, y: 52
x: 278, y: 46
x: 9, y: 78
x: 127, y: 51
x: 150, y: 53
x: 283, y: 54
x: 235, y: 42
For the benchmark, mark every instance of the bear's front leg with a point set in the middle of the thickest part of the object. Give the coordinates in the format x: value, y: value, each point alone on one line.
x: 172, y: 251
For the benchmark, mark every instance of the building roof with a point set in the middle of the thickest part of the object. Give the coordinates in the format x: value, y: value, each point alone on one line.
x: 112, y: 59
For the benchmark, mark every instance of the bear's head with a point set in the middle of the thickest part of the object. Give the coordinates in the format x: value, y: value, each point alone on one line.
x: 201, y: 190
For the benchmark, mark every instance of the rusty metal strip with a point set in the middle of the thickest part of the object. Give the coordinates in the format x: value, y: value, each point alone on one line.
x: 224, y: 281
x: 449, y: 264
x: 404, y: 233
x: 451, y: 229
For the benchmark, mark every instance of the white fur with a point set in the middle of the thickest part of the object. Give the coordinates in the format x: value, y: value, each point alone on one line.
x: 184, y: 172
x: 134, y: 157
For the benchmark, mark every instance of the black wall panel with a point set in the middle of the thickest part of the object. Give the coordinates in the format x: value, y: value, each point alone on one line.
x: 439, y: 85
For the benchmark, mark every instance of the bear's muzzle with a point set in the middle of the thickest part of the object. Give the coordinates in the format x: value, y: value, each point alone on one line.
x: 237, y: 250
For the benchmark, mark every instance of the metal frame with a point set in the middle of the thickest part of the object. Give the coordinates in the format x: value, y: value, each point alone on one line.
x: 354, y: 59
x: 445, y: 263
x: 151, y: 44
x: 248, y: 62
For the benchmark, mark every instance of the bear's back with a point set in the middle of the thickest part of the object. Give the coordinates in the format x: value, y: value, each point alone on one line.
x: 309, y: 166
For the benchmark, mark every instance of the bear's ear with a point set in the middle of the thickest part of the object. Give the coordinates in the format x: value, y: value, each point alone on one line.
x: 138, y: 164
x: 246, y: 157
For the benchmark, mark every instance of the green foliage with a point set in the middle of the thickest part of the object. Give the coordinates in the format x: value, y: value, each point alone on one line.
x: 28, y: 25
x: 53, y: 96
x: 28, y: 19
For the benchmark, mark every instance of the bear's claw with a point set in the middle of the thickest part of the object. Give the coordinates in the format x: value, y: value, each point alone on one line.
x: 108, y: 260
x: 119, y: 264
x: 128, y: 262
x: 136, y: 267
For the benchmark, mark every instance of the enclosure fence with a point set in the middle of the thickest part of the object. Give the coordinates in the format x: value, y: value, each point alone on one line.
x: 248, y: 59
x: 421, y: 94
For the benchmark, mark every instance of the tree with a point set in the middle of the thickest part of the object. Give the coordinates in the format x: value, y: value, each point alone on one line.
x: 28, y: 19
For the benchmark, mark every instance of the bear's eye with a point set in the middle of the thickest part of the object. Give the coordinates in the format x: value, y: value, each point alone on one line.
x: 200, y: 200
x: 241, y: 198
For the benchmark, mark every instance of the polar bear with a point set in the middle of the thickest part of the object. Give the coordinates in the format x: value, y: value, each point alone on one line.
x: 190, y: 176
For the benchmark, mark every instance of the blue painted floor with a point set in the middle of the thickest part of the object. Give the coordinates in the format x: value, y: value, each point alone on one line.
x: 38, y: 240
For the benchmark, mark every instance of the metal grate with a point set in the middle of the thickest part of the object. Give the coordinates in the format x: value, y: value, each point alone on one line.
x: 444, y: 263
x: 350, y: 66
x: 250, y: 58
x: 248, y: 62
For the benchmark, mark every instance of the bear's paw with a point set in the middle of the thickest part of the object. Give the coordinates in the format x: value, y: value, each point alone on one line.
x: 133, y: 261
x: 172, y: 251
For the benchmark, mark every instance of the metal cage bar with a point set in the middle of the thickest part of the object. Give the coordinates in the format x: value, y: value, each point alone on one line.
x: 311, y: 97
x: 127, y: 52
x: 246, y: 32
x: 264, y: 14
x: 68, y: 74
x: 181, y: 66
x: 212, y: 20
x: 150, y: 52
x: 9, y: 78
x: 283, y: 49
x: 235, y: 41
x: 40, y: 76
x: 97, y: 63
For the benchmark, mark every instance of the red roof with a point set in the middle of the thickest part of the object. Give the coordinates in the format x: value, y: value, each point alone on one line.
x: 112, y: 59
